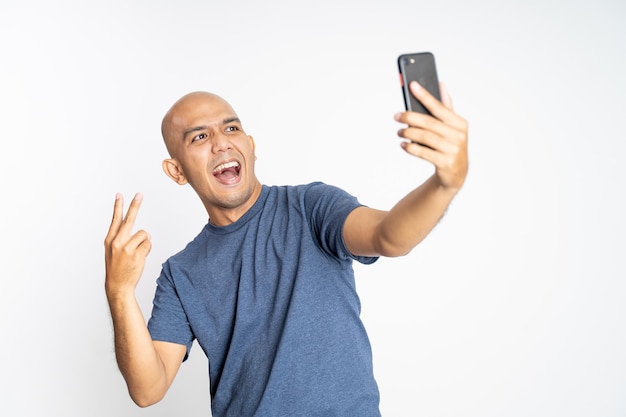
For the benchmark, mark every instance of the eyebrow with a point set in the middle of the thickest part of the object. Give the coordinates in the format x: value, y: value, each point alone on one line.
x: 204, y: 127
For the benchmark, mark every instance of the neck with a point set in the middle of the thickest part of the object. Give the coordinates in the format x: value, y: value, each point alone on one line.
x: 223, y: 215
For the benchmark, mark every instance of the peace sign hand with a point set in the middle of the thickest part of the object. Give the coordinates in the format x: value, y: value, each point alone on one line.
x: 125, y: 253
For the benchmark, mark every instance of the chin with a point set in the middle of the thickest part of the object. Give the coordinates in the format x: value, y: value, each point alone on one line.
x: 235, y: 198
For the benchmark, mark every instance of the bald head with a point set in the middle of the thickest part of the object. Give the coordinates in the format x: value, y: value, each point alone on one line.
x: 191, y: 111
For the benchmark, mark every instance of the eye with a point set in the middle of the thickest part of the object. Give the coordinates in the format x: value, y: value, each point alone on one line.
x: 199, y: 137
x: 232, y: 128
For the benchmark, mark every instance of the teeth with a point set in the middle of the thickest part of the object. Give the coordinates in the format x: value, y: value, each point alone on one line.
x: 224, y: 166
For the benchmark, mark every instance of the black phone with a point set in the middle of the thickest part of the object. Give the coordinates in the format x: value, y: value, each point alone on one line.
x: 418, y: 67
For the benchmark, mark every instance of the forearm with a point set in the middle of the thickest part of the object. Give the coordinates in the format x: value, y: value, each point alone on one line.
x: 137, y: 358
x: 413, y: 218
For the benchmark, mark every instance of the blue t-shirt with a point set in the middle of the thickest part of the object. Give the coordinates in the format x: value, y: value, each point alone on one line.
x: 272, y: 301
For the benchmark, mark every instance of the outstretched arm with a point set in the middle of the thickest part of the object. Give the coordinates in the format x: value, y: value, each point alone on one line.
x: 148, y: 367
x: 440, y: 139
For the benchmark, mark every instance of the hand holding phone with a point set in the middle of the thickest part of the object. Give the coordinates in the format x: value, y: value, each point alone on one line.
x: 418, y: 67
x: 441, y: 141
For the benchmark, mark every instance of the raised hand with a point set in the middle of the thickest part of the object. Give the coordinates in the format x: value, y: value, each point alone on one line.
x: 125, y: 252
x: 440, y: 139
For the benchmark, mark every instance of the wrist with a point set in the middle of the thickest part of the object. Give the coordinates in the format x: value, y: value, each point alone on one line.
x: 119, y: 294
x: 445, y: 188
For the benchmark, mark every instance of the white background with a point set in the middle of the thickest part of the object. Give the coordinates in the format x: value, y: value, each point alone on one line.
x: 514, y: 306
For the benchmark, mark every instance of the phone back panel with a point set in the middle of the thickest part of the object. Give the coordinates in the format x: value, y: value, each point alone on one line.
x: 418, y: 67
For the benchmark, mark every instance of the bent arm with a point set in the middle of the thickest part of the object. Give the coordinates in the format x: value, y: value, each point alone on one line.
x: 440, y: 139
x: 370, y: 232
x: 148, y: 367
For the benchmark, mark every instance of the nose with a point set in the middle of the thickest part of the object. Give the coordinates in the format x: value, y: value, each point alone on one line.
x: 220, y: 143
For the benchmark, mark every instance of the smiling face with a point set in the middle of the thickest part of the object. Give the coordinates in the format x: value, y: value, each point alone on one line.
x: 210, y: 150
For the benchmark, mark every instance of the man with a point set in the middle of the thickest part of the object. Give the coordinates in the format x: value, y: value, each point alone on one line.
x: 267, y: 287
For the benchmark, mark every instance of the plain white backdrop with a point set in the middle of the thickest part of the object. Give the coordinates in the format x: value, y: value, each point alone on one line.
x: 514, y: 306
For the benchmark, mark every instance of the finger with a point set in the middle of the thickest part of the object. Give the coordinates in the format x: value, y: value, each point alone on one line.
x: 436, y: 107
x: 423, y: 152
x: 140, y: 242
x: 116, y: 221
x: 426, y: 138
x: 145, y: 247
x: 133, y: 209
x: 446, y: 99
x: 426, y: 122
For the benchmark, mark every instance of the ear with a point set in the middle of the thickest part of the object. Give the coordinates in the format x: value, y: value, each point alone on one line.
x: 253, y: 146
x: 174, y: 171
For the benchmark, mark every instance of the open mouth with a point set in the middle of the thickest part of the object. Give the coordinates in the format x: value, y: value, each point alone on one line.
x: 227, y: 172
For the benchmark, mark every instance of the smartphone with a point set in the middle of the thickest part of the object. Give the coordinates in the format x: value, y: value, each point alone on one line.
x: 418, y: 67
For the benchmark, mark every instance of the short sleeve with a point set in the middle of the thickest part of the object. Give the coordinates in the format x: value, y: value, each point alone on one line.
x: 168, y: 322
x: 327, y: 208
